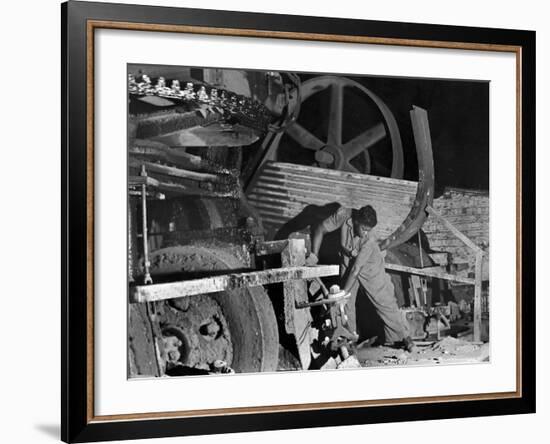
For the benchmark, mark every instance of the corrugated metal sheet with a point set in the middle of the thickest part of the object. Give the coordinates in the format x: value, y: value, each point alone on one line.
x: 282, y: 190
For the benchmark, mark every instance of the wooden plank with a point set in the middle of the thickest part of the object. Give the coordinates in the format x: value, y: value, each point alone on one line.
x: 173, y: 290
x: 430, y: 272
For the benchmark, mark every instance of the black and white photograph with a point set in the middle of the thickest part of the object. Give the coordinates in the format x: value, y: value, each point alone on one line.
x: 275, y: 222
x: 292, y: 221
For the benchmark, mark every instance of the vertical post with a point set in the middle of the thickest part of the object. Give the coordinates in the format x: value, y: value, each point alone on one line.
x: 297, y: 321
x: 147, y: 279
x: 415, y: 286
x: 477, y: 297
x: 131, y: 246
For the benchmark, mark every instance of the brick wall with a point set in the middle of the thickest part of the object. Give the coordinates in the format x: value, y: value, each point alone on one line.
x: 468, y: 211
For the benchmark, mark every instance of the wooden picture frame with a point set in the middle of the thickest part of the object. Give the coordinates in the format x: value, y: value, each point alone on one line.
x: 80, y: 20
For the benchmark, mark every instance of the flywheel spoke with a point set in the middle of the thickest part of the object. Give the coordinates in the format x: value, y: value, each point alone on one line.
x: 336, y: 113
x: 364, y: 141
x: 349, y: 167
x: 304, y: 137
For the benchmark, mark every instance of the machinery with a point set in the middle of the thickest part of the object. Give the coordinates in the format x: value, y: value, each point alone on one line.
x: 226, y: 175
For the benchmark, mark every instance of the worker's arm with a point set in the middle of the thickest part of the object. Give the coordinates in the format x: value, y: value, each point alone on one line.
x: 317, y: 240
x: 352, y: 278
x: 330, y: 224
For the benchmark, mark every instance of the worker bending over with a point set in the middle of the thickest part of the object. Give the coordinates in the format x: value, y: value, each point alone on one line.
x: 362, y: 264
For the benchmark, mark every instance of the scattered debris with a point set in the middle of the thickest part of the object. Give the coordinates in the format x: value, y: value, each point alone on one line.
x: 350, y: 362
x: 220, y: 366
x: 448, y: 350
x: 331, y: 364
x: 454, y: 346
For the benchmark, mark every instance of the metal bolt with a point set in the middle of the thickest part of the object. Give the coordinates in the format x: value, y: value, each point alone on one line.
x: 212, y: 329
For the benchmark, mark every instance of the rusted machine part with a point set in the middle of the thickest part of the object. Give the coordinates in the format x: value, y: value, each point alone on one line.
x: 244, y: 328
x: 173, y: 180
x: 202, y: 98
x: 291, y: 103
x: 184, y: 220
x: 180, y: 129
x: 290, y: 112
x: 425, y: 190
x: 158, y: 151
x: 194, y: 116
x: 132, y: 238
x: 144, y: 230
x: 160, y: 123
x: 195, y: 333
x: 334, y: 152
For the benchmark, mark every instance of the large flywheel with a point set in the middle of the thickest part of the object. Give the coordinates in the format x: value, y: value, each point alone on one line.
x: 344, y: 126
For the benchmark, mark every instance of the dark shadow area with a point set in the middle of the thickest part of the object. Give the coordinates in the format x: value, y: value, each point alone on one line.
x: 306, y: 221
x: 310, y: 216
x: 369, y: 323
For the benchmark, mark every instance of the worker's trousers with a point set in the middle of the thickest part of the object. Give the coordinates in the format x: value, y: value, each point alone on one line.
x: 385, y: 303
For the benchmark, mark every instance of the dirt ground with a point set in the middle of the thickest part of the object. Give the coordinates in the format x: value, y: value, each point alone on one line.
x: 448, y: 350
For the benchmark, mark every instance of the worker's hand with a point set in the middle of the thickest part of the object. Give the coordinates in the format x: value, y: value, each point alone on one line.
x: 312, y: 259
x: 342, y: 294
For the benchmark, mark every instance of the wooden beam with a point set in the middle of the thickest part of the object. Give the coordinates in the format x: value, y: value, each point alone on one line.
x: 430, y: 272
x: 226, y: 282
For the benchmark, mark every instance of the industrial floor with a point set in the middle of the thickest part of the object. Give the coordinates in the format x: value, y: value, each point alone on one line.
x: 448, y: 350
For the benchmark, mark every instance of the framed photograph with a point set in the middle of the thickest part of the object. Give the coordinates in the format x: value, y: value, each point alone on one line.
x: 276, y: 221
